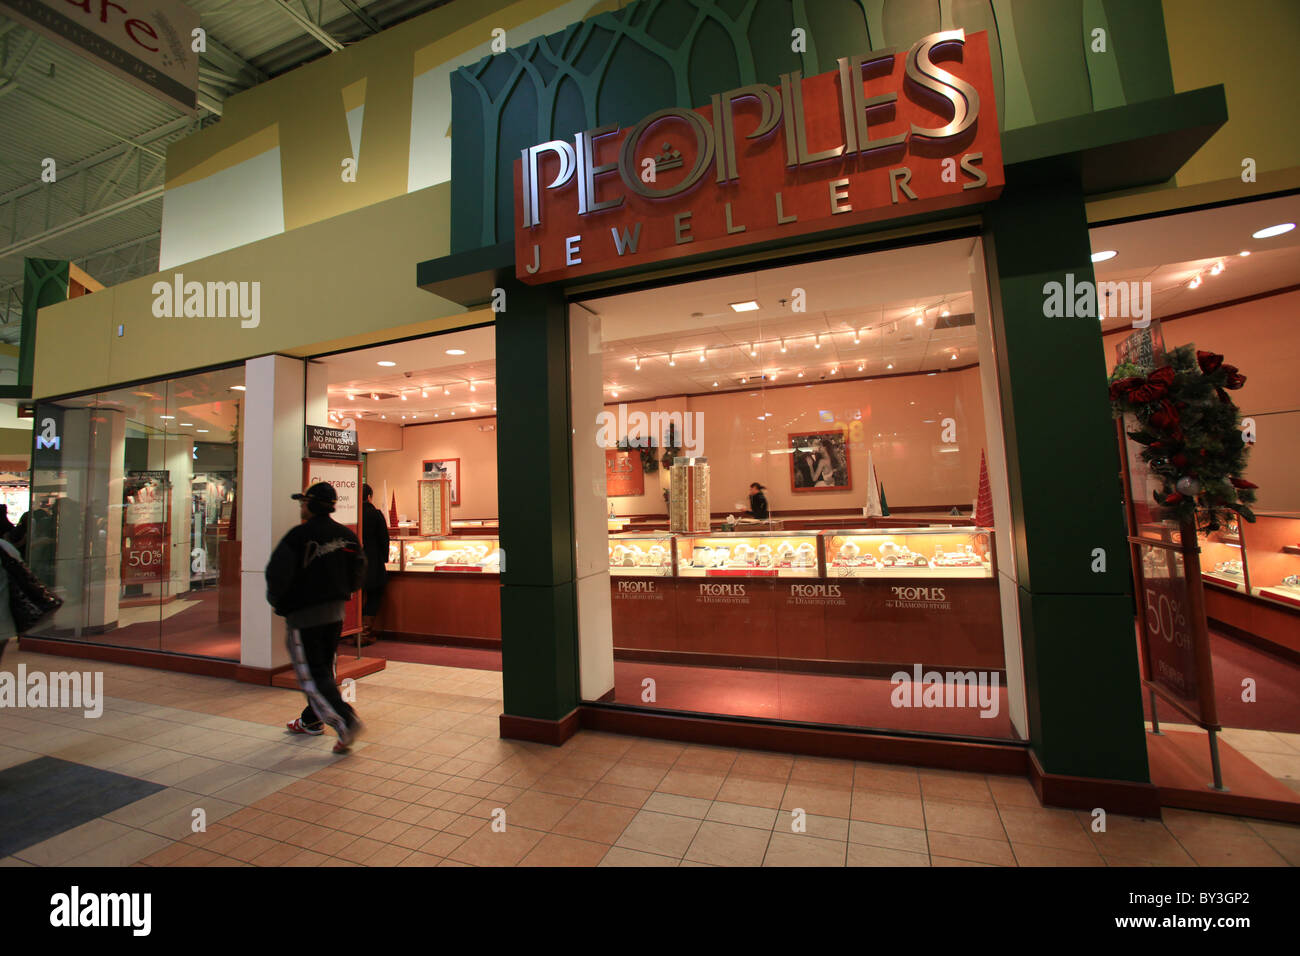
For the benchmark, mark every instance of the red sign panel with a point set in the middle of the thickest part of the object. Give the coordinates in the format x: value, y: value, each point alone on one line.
x: 886, y: 134
x: 624, y: 476
x: 146, y: 544
x: 1169, y: 635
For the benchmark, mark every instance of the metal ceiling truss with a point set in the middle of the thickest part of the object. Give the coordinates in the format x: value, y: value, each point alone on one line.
x: 111, y: 182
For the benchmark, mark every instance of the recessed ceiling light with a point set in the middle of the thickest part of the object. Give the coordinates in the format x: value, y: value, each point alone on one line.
x: 715, y: 384
x: 449, y: 352
x: 201, y: 431
x: 1244, y: 252
x: 749, y: 306
x: 166, y: 416
x: 187, y: 424
x: 1195, y: 283
x: 238, y: 388
x: 1271, y: 231
x: 369, y: 449
x: 1104, y: 255
x: 890, y: 365
x: 386, y: 363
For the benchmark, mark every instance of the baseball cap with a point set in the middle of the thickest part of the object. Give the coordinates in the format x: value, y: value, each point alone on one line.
x: 322, y: 492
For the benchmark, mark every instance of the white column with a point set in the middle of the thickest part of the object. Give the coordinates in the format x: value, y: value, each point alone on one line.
x: 272, y: 453
x: 590, y: 527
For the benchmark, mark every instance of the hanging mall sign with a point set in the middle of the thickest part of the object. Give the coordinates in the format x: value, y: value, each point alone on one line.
x: 149, y: 43
x: 886, y: 134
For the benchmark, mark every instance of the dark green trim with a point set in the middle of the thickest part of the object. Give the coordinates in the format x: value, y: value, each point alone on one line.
x: 1121, y: 148
x: 1081, y: 668
x: 45, y: 282
x: 539, y: 631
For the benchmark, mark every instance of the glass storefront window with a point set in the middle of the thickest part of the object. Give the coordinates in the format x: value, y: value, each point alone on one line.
x: 783, y: 506
x: 133, y: 516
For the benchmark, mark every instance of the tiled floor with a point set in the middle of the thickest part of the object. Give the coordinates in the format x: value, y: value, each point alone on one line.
x: 432, y: 785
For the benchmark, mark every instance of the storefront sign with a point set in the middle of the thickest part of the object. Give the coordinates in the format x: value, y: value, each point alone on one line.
x: 149, y: 43
x: 887, y: 134
x: 624, y: 476
x: 146, y: 543
x: 335, y: 444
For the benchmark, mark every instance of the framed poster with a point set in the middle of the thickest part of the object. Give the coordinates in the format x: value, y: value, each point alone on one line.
x: 624, y: 476
x: 819, y: 461
x: 146, y: 521
x: 450, y: 468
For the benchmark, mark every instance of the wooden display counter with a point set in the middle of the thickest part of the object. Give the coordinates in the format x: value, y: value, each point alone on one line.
x: 862, y: 626
x: 444, y: 608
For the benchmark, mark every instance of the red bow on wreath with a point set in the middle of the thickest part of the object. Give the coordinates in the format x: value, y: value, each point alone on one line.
x: 1140, y: 391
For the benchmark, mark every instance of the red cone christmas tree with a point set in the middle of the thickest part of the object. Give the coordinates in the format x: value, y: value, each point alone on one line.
x: 392, y: 513
x: 984, y: 500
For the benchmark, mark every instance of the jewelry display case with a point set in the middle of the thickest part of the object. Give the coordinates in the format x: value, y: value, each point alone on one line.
x: 649, y: 553
x: 1273, y: 543
x: 755, y: 554
x: 1223, y: 560
x: 394, y: 562
x: 898, y: 552
x: 452, y: 555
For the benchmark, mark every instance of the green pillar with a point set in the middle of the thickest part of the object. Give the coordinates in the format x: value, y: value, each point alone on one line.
x: 539, y: 634
x: 1081, y: 668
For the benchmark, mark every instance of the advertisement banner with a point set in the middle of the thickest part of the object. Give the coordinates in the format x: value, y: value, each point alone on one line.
x: 148, y: 43
x: 335, y: 444
x: 1167, y: 635
x: 146, y: 543
x: 624, y: 476
x: 346, y: 481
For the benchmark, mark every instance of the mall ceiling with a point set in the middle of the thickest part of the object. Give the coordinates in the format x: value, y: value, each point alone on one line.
x: 109, y: 139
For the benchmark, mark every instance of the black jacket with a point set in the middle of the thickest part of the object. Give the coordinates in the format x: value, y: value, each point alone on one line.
x: 374, y: 538
x: 317, y: 562
x: 758, y: 505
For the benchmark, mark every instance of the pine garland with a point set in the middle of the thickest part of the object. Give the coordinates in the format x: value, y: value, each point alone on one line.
x: 1191, y: 433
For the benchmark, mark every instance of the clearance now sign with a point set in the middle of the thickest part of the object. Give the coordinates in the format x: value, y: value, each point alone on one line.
x: 889, y: 133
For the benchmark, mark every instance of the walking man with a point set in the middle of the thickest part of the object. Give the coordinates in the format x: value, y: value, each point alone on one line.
x: 313, y: 571
x: 374, y: 537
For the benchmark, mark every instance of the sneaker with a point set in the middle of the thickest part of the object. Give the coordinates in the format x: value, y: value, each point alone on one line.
x: 296, y: 726
x: 349, y: 734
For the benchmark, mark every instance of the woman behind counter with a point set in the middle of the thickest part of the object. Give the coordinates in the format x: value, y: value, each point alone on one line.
x: 757, y: 501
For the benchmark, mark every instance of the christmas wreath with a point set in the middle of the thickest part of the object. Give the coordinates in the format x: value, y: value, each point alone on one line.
x: 1190, y: 430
